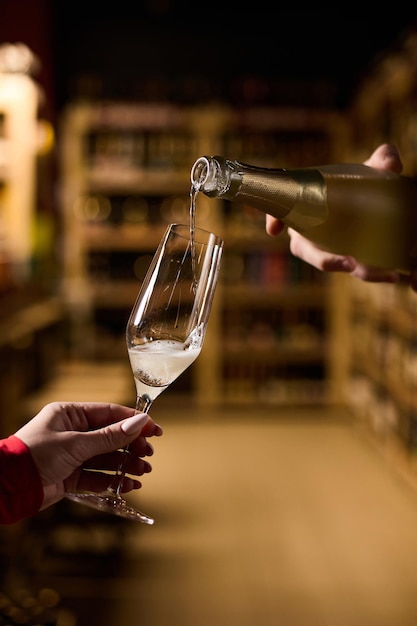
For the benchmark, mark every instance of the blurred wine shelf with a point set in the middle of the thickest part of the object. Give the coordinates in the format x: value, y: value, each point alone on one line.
x: 126, y: 175
x: 382, y: 385
x: 30, y: 312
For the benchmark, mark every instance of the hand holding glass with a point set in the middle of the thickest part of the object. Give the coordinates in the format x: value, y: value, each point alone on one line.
x: 166, y: 330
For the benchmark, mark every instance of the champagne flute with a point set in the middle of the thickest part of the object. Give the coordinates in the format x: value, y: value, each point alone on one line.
x: 165, y: 332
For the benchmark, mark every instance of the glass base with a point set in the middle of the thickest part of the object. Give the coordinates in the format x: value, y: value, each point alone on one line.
x: 110, y: 502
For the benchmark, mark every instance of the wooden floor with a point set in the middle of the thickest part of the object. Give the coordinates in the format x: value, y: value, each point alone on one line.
x: 283, y: 517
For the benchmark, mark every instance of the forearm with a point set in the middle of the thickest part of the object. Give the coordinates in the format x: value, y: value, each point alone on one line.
x: 21, y: 491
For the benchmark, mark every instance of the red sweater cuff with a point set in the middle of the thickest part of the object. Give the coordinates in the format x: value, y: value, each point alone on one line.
x: 21, y: 490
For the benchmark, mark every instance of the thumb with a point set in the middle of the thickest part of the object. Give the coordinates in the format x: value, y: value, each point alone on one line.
x: 386, y: 157
x: 116, y: 435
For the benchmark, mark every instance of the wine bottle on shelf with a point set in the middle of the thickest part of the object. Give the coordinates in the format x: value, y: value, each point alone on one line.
x: 349, y: 209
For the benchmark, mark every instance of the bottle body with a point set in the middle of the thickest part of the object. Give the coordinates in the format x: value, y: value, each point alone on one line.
x: 348, y: 209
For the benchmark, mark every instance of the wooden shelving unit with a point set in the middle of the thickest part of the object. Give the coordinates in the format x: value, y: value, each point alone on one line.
x: 30, y: 315
x: 125, y: 174
x: 382, y: 386
x: 18, y: 149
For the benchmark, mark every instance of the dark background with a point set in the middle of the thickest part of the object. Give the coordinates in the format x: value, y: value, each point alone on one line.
x: 194, y: 52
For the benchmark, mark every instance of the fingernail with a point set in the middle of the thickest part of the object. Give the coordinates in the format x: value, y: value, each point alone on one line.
x: 348, y: 264
x: 135, y: 423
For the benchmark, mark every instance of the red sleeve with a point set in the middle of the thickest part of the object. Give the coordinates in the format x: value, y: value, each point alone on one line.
x: 21, y: 491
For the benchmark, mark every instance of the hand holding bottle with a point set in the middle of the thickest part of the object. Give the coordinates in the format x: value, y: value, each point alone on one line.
x: 385, y: 157
x: 358, y: 212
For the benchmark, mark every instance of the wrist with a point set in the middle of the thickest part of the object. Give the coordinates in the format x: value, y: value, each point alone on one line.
x: 51, y: 495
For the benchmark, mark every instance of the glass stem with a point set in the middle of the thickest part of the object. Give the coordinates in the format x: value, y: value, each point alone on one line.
x: 143, y: 404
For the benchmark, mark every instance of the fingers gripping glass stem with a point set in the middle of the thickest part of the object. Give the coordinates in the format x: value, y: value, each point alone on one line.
x: 143, y: 404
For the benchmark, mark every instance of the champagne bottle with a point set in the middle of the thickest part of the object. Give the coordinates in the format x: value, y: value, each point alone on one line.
x: 348, y: 209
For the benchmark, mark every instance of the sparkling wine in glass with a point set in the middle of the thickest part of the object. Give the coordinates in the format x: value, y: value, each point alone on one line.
x: 165, y: 331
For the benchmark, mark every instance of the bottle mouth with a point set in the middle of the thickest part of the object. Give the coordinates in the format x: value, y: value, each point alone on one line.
x: 199, y: 172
